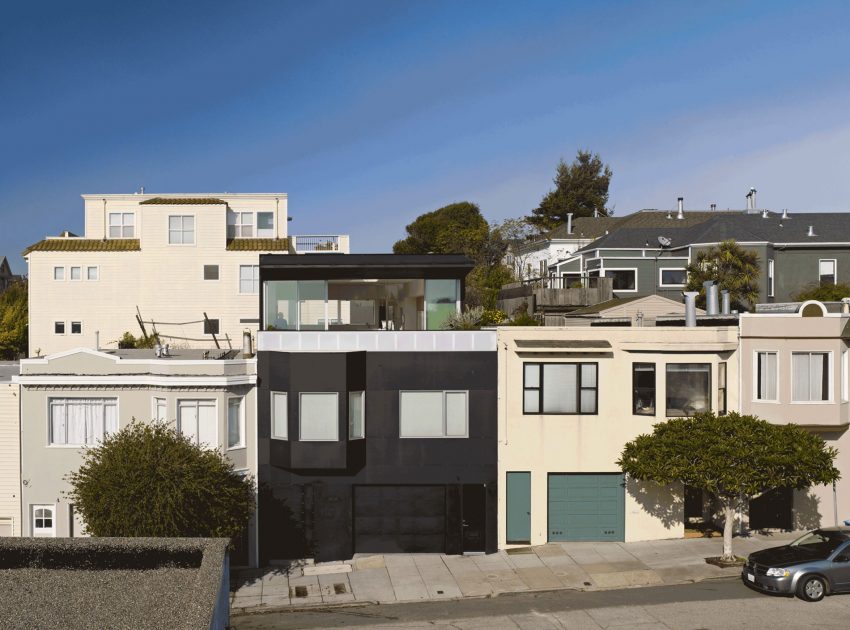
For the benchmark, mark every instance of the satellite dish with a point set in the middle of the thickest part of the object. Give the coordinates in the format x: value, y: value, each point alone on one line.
x: 665, y: 241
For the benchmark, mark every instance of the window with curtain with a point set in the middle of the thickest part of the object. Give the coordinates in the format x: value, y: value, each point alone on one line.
x: 81, y: 421
x: 318, y: 417
x: 810, y: 376
x: 560, y: 388
x: 181, y: 230
x: 643, y: 389
x: 356, y: 415
x: 688, y: 389
x: 766, y: 376
x: 235, y: 425
x: 196, y: 419
x: 433, y: 414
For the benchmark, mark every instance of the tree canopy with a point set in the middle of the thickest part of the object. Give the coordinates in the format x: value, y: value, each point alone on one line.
x: 580, y: 188
x: 729, y: 457
x: 732, y: 267
x: 14, y: 336
x: 824, y: 293
x: 150, y: 480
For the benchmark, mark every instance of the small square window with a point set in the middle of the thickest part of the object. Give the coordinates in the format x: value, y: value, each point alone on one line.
x: 210, y: 326
x: 59, y: 273
x: 59, y: 328
x: 210, y: 272
x: 76, y: 273
x: 92, y: 273
x: 76, y: 328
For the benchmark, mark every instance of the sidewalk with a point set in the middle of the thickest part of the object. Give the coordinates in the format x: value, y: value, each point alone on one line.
x: 419, y: 577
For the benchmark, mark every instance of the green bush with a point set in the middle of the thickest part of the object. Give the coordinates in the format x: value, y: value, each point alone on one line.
x: 129, y: 342
x: 824, y: 293
x: 150, y: 480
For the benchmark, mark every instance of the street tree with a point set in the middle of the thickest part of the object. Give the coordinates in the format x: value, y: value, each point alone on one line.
x: 733, y: 457
x: 581, y: 188
x: 150, y: 480
x: 14, y: 337
x: 732, y: 267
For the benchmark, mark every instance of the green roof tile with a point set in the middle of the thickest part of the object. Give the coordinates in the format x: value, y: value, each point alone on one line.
x: 85, y: 245
x: 182, y: 201
x: 258, y: 244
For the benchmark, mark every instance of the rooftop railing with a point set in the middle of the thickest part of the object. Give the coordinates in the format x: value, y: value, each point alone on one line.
x: 321, y: 243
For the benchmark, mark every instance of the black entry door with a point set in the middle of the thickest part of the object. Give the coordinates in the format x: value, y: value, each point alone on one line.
x: 474, y: 517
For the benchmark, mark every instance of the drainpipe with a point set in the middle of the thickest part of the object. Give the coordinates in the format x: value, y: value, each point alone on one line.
x: 104, y: 220
x: 276, y: 222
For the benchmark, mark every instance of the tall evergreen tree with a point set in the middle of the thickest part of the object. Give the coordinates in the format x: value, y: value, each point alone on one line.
x: 14, y: 337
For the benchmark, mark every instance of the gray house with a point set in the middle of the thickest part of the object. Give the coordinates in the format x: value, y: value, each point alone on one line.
x: 647, y: 253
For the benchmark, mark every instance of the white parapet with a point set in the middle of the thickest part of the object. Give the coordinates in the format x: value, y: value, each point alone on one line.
x: 377, y: 341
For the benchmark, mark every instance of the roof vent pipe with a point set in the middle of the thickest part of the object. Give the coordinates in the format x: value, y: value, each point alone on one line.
x: 247, y: 344
x: 711, y: 307
x: 764, y: 214
x: 97, y: 340
x: 811, y: 231
x: 681, y: 205
x: 845, y: 305
x: 569, y: 222
x: 595, y: 213
x: 690, y: 308
x: 713, y: 207
x: 724, y: 302
x: 785, y: 214
x: 751, y: 199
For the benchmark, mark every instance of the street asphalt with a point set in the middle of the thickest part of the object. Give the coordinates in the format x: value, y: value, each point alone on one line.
x: 720, y: 604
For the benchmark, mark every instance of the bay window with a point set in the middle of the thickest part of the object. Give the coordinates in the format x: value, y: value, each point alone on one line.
x: 196, y: 419
x: 280, y: 416
x: 356, y: 415
x: 235, y: 423
x: 318, y: 417
x: 810, y: 376
x: 688, y: 388
x: 81, y: 421
x: 766, y: 376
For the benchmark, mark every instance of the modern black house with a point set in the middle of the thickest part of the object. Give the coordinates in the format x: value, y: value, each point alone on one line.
x: 377, y: 429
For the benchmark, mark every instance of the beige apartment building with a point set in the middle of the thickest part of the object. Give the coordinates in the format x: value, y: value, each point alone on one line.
x: 185, y: 264
x: 10, y: 454
x: 794, y: 368
x: 71, y: 399
x: 569, y: 400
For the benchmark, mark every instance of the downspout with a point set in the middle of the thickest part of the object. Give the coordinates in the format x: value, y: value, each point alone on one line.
x: 276, y: 215
x: 104, y: 220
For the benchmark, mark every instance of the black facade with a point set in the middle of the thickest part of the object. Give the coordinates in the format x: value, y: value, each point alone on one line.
x: 383, y: 493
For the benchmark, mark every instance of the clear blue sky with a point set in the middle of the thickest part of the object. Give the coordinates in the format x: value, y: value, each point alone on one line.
x: 369, y: 113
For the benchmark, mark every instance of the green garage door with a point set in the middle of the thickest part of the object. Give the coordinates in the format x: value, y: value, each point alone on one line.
x: 586, y: 507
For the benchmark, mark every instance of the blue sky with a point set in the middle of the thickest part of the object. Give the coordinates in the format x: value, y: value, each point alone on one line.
x: 369, y: 113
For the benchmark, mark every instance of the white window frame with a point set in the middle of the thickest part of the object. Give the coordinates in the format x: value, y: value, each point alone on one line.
x: 71, y: 273
x: 55, y: 399
x: 351, y: 435
x: 64, y: 328
x: 55, y: 268
x: 257, y: 224
x: 634, y: 269
x: 204, y: 272
x: 122, y: 224
x: 96, y: 273
x: 43, y: 532
x: 182, y: 231
x: 445, y: 415
x: 197, y: 418
x: 155, y: 404
x: 845, y: 376
x: 834, y: 262
x: 301, y: 416
x: 830, y: 378
x: 71, y: 328
x: 273, y: 409
x: 241, y: 420
x: 755, y: 395
x: 661, y: 282
x: 239, y: 226
x: 770, y: 278
x: 255, y: 281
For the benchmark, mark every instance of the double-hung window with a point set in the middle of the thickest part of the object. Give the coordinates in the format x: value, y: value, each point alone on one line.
x: 688, y: 388
x: 643, y: 389
x: 240, y: 224
x: 433, y: 414
x: 826, y: 271
x: 766, y: 376
x: 249, y: 279
x: 80, y: 421
x: 356, y: 415
x: 560, y: 388
x: 122, y: 224
x: 196, y: 419
x: 810, y: 376
x: 181, y: 230
x: 235, y: 423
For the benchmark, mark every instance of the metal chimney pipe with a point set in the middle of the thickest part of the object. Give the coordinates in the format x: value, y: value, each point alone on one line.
x: 753, y: 192
x: 845, y: 305
x: 595, y: 213
x: 811, y: 231
x: 569, y: 222
x: 724, y: 301
x: 97, y: 340
x: 764, y: 214
x: 785, y: 214
x: 711, y: 307
x: 681, y: 206
x: 690, y: 308
x: 247, y: 344
x: 713, y: 207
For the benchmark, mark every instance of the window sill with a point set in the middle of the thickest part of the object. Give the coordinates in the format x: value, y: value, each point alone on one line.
x: 812, y: 402
x: 279, y: 439
x: 77, y: 446
x: 238, y: 447
x: 433, y: 437
x: 765, y: 402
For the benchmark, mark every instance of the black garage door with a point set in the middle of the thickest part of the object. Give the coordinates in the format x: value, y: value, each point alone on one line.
x: 405, y: 519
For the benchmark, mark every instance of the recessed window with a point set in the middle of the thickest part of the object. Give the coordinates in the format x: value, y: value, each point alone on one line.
x: 249, y: 279
x: 810, y: 376
x: 280, y: 416
x: 673, y: 277
x: 76, y: 273
x: 319, y: 417
x: 356, y: 415
x: 826, y: 270
x: 76, y: 328
x: 78, y: 421
x: 196, y: 419
x: 643, y: 389
x: 435, y: 414
x: 59, y: 273
x: 159, y: 409
x: 770, y: 283
x: 43, y: 520
x: 210, y: 272
x: 211, y: 327
x: 766, y: 376
x: 623, y: 279
x: 181, y: 230
x: 240, y: 224
x: 121, y: 224
x: 58, y: 328
x: 688, y: 389
x: 560, y: 388
x: 265, y: 224
x: 235, y: 423
x: 92, y: 273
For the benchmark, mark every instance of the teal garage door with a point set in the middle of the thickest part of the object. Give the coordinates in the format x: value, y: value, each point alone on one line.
x: 586, y: 507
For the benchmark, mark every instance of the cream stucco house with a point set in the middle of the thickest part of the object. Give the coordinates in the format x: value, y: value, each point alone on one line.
x: 570, y: 398
x: 186, y: 264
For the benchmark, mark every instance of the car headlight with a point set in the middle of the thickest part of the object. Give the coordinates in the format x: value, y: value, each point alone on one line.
x: 778, y: 572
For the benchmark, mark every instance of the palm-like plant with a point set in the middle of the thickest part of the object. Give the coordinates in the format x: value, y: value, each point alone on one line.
x: 732, y: 267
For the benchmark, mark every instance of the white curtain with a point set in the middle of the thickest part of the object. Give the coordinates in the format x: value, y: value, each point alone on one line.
x: 187, y: 419
x: 767, y: 376
x: 816, y: 389
x: 110, y: 416
x: 76, y: 419
x: 57, y: 422
x: 808, y: 372
x: 207, y: 429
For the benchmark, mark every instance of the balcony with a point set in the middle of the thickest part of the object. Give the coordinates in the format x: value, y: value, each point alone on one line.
x: 320, y: 244
x: 377, y: 341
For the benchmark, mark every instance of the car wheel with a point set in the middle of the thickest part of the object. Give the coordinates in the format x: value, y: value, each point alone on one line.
x: 811, y: 588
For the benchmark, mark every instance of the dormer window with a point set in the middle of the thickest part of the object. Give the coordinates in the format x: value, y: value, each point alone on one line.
x: 122, y: 225
x: 240, y: 224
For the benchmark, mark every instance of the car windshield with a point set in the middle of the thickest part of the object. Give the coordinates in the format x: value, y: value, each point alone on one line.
x: 819, y: 542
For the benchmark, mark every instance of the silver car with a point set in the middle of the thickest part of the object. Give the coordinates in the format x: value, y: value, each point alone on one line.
x: 814, y: 565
